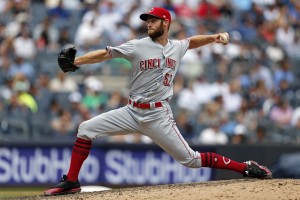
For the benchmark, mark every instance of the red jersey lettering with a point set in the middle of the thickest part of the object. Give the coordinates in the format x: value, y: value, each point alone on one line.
x: 170, y: 63
x: 149, y: 64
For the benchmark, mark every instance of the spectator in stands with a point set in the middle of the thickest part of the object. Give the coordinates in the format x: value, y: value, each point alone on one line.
x: 203, y: 90
x: 24, y: 45
x: 184, y: 11
x: 16, y: 110
x: 282, y: 113
x: 293, y: 50
x: 18, y: 6
x: 211, y: 111
x: 248, y: 114
x: 115, y: 100
x: 110, y: 15
x: 43, y: 95
x: 285, y: 90
x: 266, y: 33
x: 90, y: 13
x: 6, y: 89
x: 260, y: 136
x: 219, y: 86
x: 187, y: 99
x: 244, y: 5
x: 232, y: 98
x: 169, y: 5
x: 239, y: 136
x: 191, y: 66
x: 283, y: 72
x: 208, y: 11
x: 133, y: 14
x: 271, y: 13
x: 63, y: 124
x: 274, y: 52
x: 21, y: 87
x: 13, y: 28
x: 125, y: 33
x: 4, y: 6
x: 4, y: 68
x: 46, y: 35
x: 63, y: 83
x: 247, y: 28
x: 228, y: 122
x: 295, y: 121
x: 213, y: 135
x: 184, y: 125
x: 88, y: 33
x: 259, y: 73
x: 294, y: 13
x: 94, y: 97
x: 285, y: 34
x: 204, y: 53
x: 64, y: 36
x: 59, y: 12
x: 269, y: 103
x: 257, y: 94
x: 256, y: 13
x: 2, y: 32
x: 19, y: 66
x: 179, y: 84
x: 78, y: 111
x: 54, y: 109
x: 226, y: 9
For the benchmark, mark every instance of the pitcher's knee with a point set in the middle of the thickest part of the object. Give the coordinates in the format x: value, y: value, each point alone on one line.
x: 83, y: 130
x: 192, y: 163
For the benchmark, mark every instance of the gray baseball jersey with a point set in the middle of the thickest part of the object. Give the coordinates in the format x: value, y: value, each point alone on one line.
x: 153, y: 69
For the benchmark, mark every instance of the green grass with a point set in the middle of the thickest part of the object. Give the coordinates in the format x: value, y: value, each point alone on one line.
x: 20, y: 191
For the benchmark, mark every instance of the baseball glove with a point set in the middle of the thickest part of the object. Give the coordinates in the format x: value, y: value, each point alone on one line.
x: 66, y: 59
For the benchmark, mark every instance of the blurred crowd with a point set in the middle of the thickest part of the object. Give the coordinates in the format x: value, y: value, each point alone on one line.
x: 246, y: 92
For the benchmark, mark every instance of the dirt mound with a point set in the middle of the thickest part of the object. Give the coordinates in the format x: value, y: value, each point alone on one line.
x: 227, y: 189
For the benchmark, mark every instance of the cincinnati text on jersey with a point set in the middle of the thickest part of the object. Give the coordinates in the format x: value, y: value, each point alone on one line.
x: 155, y: 63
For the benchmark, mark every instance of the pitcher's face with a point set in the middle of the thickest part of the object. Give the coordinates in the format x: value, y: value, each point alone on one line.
x: 155, y: 27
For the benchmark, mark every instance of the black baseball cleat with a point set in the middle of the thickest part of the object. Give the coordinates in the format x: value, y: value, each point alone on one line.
x: 254, y: 170
x: 64, y: 187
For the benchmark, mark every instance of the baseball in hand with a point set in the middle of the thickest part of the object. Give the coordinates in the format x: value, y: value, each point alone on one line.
x: 224, y: 38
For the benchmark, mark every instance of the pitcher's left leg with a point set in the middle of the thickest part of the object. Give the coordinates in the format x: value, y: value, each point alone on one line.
x: 164, y: 132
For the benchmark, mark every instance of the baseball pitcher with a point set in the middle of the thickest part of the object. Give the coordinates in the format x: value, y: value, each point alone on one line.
x: 155, y: 61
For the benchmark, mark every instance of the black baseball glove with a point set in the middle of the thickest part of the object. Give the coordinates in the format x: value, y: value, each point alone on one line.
x: 66, y: 59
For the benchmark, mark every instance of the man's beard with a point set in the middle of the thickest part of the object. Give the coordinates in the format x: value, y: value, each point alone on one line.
x: 157, y: 33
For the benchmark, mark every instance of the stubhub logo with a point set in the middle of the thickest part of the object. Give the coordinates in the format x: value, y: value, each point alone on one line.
x: 41, y: 166
x: 113, y: 166
x: 126, y: 167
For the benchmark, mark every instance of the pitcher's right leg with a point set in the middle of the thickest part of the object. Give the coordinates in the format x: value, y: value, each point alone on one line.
x: 115, y: 122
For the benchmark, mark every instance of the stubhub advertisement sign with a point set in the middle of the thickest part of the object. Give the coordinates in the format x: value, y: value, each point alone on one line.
x: 112, y: 166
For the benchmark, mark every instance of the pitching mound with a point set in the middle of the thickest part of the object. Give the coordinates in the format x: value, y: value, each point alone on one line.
x: 227, y: 189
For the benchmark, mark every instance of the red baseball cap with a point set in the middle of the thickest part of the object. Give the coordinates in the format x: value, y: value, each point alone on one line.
x: 158, y: 13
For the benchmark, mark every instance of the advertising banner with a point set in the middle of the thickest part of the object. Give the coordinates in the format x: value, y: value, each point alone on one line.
x: 44, y: 165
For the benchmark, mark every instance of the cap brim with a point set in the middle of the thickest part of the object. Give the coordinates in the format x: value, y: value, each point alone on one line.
x: 145, y: 16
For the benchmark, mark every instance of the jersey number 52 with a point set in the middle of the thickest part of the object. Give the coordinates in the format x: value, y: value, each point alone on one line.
x: 167, y: 79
